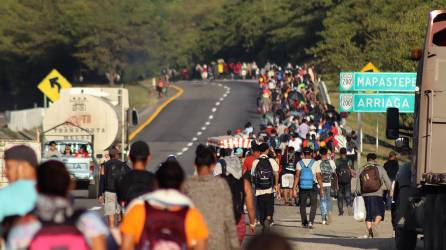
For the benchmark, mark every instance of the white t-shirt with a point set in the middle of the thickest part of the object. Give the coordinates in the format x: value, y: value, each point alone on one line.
x: 275, y: 167
x: 316, y: 168
x: 296, y: 144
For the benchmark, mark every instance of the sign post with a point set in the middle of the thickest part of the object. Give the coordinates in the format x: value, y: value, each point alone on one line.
x: 367, y: 68
x: 52, y: 84
x: 374, y: 91
x: 382, y: 82
x: 366, y: 103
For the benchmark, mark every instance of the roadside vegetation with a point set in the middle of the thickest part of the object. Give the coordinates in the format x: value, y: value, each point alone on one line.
x: 95, y: 41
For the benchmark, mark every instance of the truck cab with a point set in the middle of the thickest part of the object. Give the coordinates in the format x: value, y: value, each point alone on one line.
x: 422, y: 201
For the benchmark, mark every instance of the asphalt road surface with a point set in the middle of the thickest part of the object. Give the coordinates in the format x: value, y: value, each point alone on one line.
x: 204, y: 110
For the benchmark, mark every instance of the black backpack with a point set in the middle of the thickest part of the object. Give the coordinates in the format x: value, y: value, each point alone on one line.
x: 326, y: 171
x: 264, y: 176
x: 289, y: 163
x: 237, y: 191
x: 115, y: 171
x: 343, y: 172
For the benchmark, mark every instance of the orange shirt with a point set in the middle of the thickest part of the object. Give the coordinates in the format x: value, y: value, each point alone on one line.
x: 133, y: 224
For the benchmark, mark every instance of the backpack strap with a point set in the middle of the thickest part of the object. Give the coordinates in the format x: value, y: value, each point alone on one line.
x: 302, y: 164
x: 310, y: 165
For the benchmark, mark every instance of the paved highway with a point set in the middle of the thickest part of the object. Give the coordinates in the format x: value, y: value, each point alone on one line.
x: 205, y: 109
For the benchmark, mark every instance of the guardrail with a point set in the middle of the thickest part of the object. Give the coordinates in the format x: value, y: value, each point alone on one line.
x: 26, y: 119
x: 324, y: 92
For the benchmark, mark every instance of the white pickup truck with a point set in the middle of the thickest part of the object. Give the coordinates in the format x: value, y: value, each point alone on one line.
x: 82, y: 166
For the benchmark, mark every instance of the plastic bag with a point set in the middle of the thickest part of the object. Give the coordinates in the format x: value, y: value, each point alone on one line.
x: 359, y: 211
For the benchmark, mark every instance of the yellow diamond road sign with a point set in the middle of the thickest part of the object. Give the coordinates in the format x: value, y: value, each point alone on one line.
x: 52, y: 84
x: 370, y: 68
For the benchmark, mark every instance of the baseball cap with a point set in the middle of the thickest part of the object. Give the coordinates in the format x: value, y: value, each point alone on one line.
x: 22, y: 153
x: 139, y: 151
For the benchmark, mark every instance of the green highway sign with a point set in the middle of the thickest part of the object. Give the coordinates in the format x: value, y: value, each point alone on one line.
x: 382, y: 81
x: 376, y: 102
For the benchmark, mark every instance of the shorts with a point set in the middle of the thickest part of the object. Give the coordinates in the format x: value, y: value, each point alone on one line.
x: 287, y: 180
x: 111, y: 206
x: 374, y: 206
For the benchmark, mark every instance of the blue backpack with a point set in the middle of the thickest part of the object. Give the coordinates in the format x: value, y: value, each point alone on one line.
x: 306, y: 175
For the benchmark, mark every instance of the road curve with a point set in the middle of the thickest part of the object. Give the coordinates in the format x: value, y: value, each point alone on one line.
x: 205, y: 109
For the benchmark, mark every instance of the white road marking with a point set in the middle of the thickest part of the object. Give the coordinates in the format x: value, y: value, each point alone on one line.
x: 225, y: 95
x: 220, y: 84
x: 214, y: 109
x: 221, y: 99
x: 95, y: 208
x: 190, y: 144
x: 185, y: 149
x: 195, y: 138
x: 217, y: 104
x: 207, y: 123
x: 203, y: 128
x: 211, y: 117
x: 199, y: 133
x: 180, y: 153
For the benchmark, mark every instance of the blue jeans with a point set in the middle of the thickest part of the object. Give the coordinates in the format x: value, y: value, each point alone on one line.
x: 326, y: 202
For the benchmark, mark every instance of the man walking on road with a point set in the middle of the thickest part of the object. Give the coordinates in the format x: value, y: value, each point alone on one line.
x: 265, y: 174
x: 138, y: 181
x: 373, y: 180
x: 20, y: 170
x: 114, y: 171
x: 344, y: 173
x: 391, y: 166
x: 308, y: 173
x: 328, y: 168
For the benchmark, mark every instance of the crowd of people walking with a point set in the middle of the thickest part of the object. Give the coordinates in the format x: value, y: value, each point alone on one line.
x: 297, y: 156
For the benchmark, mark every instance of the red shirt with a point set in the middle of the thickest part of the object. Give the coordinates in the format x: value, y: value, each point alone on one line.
x: 247, y: 163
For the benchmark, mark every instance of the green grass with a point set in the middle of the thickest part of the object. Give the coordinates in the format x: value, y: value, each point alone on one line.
x: 142, y: 94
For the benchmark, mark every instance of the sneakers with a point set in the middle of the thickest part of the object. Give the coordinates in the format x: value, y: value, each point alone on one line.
x: 310, y: 225
x: 324, y: 222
